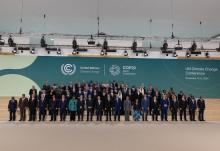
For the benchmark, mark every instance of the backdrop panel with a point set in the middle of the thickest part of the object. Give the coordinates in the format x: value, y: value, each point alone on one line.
x: 199, y: 77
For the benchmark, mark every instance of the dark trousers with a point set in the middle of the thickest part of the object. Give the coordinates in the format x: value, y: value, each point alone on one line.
x: 42, y: 115
x: 89, y: 114
x: 144, y: 115
x: 22, y: 114
x: 155, y: 115
x: 174, y: 115
x: 12, y: 115
x: 201, y: 115
x: 72, y: 115
x: 108, y: 113
x: 53, y: 115
x: 99, y: 115
x: 183, y: 113
x: 62, y: 115
x: 80, y: 115
x: 127, y: 115
x: 117, y: 114
x: 192, y: 115
x: 150, y: 110
x: 32, y: 115
x: 164, y: 115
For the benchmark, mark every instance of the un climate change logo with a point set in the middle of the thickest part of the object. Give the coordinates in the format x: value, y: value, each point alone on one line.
x: 114, y: 70
x: 68, y: 69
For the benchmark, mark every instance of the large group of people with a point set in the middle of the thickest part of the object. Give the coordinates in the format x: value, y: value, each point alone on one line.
x: 113, y: 101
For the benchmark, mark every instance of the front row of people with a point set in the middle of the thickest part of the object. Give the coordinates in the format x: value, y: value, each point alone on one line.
x: 77, y: 106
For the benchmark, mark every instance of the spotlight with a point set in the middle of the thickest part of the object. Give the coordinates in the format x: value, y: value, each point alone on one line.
x: 174, y: 54
x: 74, y: 52
x: 15, y: 50
x: 102, y: 53
x: 32, y: 51
x: 207, y: 54
x: 59, y: 51
x: 125, y: 53
x: 188, y: 54
x: 145, y: 53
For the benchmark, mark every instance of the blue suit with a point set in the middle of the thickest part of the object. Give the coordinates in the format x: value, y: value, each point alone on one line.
x: 42, y: 109
x: 174, y: 108
x: 12, y: 107
x: 117, y: 108
x: 192, y: 109
x: 145, y: 103
x: 63, y: 107
x: 164, y: 109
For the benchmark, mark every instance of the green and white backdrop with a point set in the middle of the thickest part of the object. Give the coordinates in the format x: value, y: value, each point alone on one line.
x: 199, y: 77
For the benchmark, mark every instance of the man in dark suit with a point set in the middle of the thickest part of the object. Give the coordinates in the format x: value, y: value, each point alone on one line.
x: 117, y: 108
x: 89, y: 105
x: 192, y: 108
x: 164, y: 107
x: 53, y: 108
x: 32, y: 104
x: 182, y: 107
x: 63, y: 108
x: 174, y: 108
x: 33, y: 91
x: 108, y: 108
x: 155, y: 109
x: 42, y: 104
x: 201, y: 107
x: 80, y: 108
x: 23, y: 103
x: 12, y: 107
x: 99, y: 108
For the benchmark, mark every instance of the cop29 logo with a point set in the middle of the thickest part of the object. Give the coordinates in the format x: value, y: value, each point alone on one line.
x: 115, y: 70
x: 68, y: 69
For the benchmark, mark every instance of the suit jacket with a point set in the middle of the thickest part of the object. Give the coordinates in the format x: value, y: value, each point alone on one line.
x: 174, y: 105
x: 99, y: 106
x: 80, y: 105
x: 63, y: 106
x: 89, y: 104
x: 23, y: 103
x: 32, y: 104
x: 127, y: 105
x: 201, y: 104
x: 108, y: 105
x: 117, y: 104
x: 145, y: 103
x: 42, y: 105
x: 53, y: 105
x: 164, y: 104
x: 12, y: 105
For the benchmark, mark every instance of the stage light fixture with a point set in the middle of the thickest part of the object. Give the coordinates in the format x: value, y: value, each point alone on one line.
x: 32, y: 51
x: 145, y: 54
x: 74, y: 52
x: 102, y: 53
x: 59, y: 51
x: 188, y: 54
x: 207, y: 54
x: 125, y: 53
x: 15, y: 50
x: 175, y: 54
